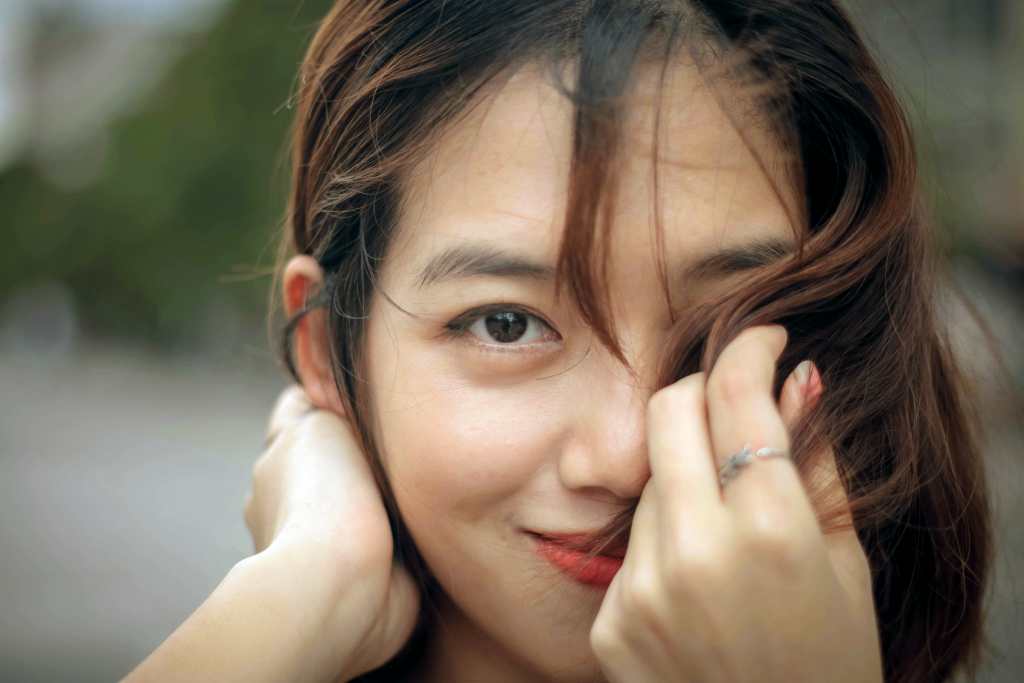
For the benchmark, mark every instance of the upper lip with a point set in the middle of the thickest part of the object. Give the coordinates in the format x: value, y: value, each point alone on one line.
x: 565, y: 536
x: 562, y: 537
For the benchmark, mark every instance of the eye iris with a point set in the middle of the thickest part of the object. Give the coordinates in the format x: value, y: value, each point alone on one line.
x: 506, y: 326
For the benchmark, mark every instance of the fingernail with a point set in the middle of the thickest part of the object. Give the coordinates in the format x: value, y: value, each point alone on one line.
x: 803, y: 374
x: 814, y: 384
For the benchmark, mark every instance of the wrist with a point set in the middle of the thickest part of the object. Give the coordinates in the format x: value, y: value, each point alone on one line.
x: 320, y: 587
x: 296, y: 586
x: 263, y: 622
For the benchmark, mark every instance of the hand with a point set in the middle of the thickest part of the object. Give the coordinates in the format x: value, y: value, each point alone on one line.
x: 315, y: 505
x: 736, y: 585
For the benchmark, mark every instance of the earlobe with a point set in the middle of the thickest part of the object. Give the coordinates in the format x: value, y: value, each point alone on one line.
x: 303, y: 278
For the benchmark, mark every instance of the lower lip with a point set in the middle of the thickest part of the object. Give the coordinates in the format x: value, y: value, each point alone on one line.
x: 597, y: 571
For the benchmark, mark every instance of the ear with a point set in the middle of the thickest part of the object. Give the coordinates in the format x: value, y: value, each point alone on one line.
x: 303, y: 277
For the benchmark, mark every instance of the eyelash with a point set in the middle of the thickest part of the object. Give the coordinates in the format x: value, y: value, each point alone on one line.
x: 458, y: 328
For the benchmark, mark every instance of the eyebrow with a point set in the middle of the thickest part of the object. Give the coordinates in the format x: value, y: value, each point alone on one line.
x: 473, y: 260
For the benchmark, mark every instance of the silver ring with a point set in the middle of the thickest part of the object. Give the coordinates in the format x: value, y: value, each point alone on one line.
x: 744, y: 457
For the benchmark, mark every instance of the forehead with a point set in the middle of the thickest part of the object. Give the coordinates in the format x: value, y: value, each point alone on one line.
x: 501, y: 173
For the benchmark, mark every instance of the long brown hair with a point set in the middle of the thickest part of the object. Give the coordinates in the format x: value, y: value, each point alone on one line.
x: 381, y: 79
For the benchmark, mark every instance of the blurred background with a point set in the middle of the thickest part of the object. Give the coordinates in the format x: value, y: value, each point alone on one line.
x: 142, y: 183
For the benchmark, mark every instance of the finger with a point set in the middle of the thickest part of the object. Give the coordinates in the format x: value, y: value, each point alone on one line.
x: 642, y: 597
x: 843, y: 545
x: 640, y: 563
x: 802, y: 390
x: 741, y: 409
x: 645, y: 535
x: 742, y: 412
x: 291, y: 405
x: 795, y: 397
x: 831, y: 497
x: 679, y: 450
x: 634, y: 593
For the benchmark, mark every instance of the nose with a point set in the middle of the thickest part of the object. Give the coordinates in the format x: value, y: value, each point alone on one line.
x: 607, y: 454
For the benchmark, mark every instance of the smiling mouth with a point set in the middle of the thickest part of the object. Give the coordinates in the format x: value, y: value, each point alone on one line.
x: 597, y: 571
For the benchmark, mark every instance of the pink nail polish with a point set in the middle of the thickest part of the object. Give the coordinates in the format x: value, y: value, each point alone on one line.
x: 814, y: 384
x: 803, y: 373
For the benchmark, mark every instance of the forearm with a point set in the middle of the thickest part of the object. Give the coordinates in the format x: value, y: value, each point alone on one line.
x: 263, y: 622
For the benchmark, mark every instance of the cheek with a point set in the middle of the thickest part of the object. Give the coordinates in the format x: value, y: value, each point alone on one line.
x: 463, y: 448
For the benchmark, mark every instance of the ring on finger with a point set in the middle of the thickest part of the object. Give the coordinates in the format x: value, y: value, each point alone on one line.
x: 744, y: 457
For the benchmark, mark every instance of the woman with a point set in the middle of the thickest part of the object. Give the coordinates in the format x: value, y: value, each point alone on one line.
x: 484, y: 479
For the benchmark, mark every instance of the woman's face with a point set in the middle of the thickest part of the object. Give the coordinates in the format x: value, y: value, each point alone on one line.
x: 498, y: 422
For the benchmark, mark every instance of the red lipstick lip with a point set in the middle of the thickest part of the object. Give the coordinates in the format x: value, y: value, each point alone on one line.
x: 597, y: 571
x: 577, y: 538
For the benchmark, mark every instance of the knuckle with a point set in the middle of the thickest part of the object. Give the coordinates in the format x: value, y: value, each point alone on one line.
x: 642, y: 595
x: 319, y: 424
x: 291, y: 401
x: 730, y: 379
x: 694, y: 565
x: 770, y: 334
x: 605, y: 637
x: 686, y: 394
x: 731, y: 384
x: 293, y: 398
x: 765, y: 530
x: 776, y: 546
x: 659, y: 404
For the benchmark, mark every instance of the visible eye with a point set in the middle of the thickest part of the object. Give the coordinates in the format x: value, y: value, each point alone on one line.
x: 502, y: 328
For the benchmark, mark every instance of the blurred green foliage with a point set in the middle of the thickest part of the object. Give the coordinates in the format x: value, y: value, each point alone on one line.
x: 191, y: 191
x: 174, y: 230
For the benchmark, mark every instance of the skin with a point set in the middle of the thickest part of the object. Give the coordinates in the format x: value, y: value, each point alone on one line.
x: 483, y: 439
x: 319, y: 600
